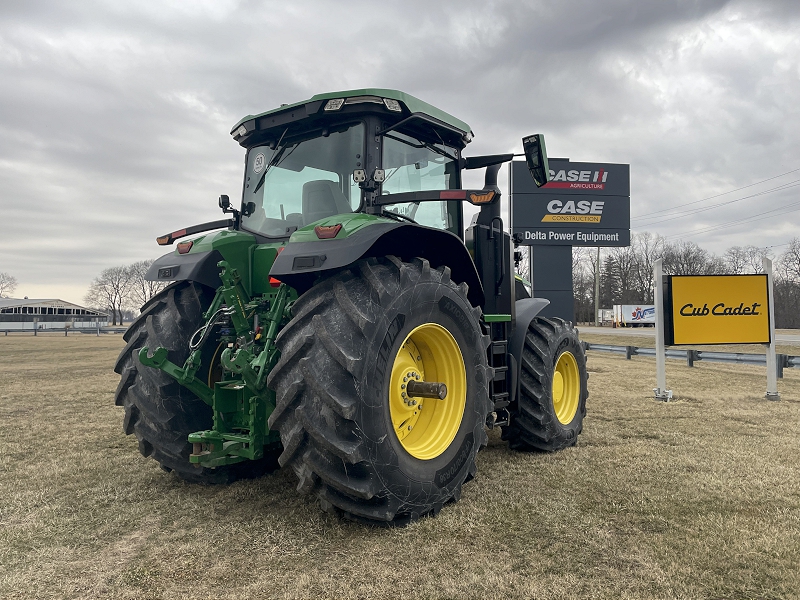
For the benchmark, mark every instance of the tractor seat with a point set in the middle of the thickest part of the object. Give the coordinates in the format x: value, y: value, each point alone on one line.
x: 323, y: 198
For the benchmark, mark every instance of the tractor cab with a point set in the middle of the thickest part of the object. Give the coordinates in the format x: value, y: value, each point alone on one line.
x: 349, y: 152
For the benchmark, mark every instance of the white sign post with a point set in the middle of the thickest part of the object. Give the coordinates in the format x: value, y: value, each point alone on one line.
x: 660, y: 392
x: 772, y: 367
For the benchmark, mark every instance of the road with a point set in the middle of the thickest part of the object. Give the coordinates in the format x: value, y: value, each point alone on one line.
x: 781, y: 335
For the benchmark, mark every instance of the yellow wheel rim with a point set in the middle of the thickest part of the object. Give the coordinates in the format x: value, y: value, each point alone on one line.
x: 426, y: 427
x: 566, y: 388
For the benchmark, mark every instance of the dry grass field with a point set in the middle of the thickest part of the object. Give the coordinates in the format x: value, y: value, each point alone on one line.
x: 697, y: 498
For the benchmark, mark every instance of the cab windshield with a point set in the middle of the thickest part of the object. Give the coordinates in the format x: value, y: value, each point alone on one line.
x: 301, y: 182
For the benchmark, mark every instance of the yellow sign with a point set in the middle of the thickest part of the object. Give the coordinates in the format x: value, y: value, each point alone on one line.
x: 719, y: 309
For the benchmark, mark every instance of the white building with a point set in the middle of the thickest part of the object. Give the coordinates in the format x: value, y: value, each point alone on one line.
x: 27, y: 315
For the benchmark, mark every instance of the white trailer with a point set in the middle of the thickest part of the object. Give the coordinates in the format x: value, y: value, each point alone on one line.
x: 634, y: 315
x: 605, y: 316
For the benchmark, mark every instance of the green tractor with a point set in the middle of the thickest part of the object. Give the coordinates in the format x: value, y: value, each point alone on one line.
x: 344, y: 322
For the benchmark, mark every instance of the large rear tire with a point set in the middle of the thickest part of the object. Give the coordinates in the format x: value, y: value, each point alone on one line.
x: 369, y: 451
x: 159, y: 411
x: 553, y: 388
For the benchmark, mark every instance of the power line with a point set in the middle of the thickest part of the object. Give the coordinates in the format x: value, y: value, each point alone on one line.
x: 783, y: 186
x: 756, y: 217
x: 718, y: 195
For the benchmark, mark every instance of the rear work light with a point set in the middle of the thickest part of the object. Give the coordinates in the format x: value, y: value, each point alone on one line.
x: 334, y: 104
x: 327, y: 232
x: 392, y: 105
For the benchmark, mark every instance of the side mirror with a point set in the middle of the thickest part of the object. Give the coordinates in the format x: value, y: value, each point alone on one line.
x: 536, y: 157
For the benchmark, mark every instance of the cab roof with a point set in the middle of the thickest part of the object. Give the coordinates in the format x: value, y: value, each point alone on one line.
x: 412, y: 104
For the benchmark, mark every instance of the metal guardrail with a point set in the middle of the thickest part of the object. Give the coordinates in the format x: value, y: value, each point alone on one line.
x: 784, y: 361
x: 66, y: 331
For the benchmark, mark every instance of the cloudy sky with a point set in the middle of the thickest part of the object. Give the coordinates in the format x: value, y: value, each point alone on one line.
x: 115, y: 116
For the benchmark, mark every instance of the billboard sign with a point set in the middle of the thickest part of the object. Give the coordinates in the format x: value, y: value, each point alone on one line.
x: 717, y: 309
x: 583, y: 204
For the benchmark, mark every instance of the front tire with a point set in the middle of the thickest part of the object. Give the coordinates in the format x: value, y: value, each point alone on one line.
x: 348, y: 431
x: 553, y: 388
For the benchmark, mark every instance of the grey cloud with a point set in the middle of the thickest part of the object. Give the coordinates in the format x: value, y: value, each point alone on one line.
x: 114, y: 117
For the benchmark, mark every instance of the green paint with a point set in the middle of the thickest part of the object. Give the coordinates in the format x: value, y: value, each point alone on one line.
x: 263, y: 257
x: 185, y: 376
x: 236, y: 248
x: 350, y: 222
x: 496, y: 318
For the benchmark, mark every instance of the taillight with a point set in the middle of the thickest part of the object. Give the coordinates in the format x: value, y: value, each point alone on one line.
x: 484, y: 198
x: 184, y: 247
x: 326, y: 232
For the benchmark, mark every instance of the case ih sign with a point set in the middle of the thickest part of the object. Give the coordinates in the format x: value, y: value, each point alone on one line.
x: 583, y: 204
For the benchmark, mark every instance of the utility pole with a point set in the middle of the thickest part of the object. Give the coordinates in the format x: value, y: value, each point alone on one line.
x: 597, y: 289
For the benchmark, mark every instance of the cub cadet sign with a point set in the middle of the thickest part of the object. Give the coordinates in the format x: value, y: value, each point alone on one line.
x: 717, y: 309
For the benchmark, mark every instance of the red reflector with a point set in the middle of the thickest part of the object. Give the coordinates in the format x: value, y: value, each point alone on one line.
x: 327, y: 232
x: 184, y: 247
x: 274, y: 282
x: 176, y: 234
x: 453, y: 195
x: 281, y: 249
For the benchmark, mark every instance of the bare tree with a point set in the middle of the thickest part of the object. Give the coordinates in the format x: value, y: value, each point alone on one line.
x: 647, y: 249
x: 523, y: 267
x: 110, y: 290
x: 787, y: 287
x: 687, y: 258
x: 788, y: 265
x: 735, y: 260
x: 619, y: 270
x: 141, y: 290
x: 8, y: 283
x: 755, y: 257
x: 583, y: 261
